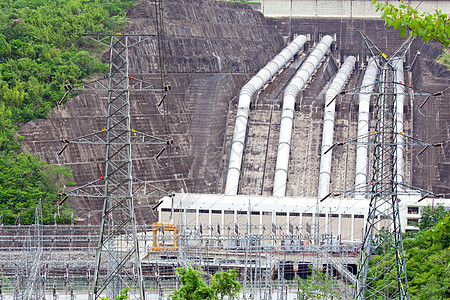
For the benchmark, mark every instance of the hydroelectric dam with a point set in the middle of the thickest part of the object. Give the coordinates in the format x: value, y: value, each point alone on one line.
x: 258, y: 94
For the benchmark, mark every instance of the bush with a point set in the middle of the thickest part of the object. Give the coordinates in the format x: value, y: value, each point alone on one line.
x: 224, y: 283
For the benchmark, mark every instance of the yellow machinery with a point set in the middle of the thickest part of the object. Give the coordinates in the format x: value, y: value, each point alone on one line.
x: 162, y: 241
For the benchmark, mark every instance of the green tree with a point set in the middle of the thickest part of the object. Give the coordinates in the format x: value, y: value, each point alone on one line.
x: 430, y: 216
x: 427, y: 257
x: 225, y: 283
x: 428, y: 262
x: 193, y: 286
x: 429, y: 26
x: 9, y: 142
x: 317, y: 286
x: 41, y: 45
x: 445, y: 58
x: 24, y: 180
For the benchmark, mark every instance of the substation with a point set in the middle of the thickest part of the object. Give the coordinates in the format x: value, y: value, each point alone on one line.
x: 243, y: 137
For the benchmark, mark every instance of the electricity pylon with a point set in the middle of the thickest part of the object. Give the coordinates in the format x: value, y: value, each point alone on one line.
x: 118, y: 263
x: 33, y: 259
x: 381, y: 271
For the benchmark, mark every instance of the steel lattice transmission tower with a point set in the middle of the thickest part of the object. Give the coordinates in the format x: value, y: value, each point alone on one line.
x: 381, y: 271
x: 118, y: 263
x: 33, y: 259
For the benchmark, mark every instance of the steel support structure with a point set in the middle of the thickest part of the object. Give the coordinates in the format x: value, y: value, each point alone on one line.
x: 118, y: 237
x: 382, y: 271
x: 118, y: 247
x: 118, y: 263
x: 33, y: 259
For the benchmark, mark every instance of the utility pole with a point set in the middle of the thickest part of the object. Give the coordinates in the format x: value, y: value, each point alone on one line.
x: 382, y: 271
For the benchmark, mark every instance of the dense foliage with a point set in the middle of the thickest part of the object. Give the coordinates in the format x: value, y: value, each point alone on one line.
x: 41, y: 46
x: 318, y: 285
x: 426, y: 25
x: 430, y: 216
x: 24, y: 180
x: 224, y: 284
x: 428, y: 261
x: 427, y: 257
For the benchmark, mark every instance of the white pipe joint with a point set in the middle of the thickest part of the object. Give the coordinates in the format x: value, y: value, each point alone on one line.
x: 362, y: 146
x: 328, y: 124
x: 245, y: 96
x: 297, y: 83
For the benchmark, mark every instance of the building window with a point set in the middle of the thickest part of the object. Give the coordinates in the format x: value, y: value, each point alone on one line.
x: 228, y: 212
x: 359, y: 216
x: 294, y: 214
x: 281, y: 213
x: 413, y: 210
x: 166, y: 209
x: 334, y: 216
x: 215, y: 211
x: 307, y: 214
x: 256, y: 213
x: 267, y: 213
x: 204, y: 211
x: 241, y: 212
x: 412, y: 222
x: 190, y: 210
x: 346, y: 216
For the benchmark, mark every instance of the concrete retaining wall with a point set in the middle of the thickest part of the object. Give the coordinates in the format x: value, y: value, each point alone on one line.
x: 337, y: 8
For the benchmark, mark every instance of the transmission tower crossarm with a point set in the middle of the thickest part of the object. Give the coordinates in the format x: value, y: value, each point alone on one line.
x: 101, y: 84
x: 400, y: 53
x: 374, y: 51
x: 100, y: 138
x: 105, y: 39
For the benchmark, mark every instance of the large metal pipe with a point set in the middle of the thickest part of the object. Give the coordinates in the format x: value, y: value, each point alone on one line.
x: 287, y: 118
x: 245, y: 96
x: 362, y: 148
x: 328, y: 124
x: 400, y: 100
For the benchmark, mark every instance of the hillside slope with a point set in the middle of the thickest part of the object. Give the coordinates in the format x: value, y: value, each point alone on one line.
x: 212, y: 47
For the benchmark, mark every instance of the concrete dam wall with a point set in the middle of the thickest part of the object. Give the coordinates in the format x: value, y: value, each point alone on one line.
x: 212, y: 48
x: 337, y: 8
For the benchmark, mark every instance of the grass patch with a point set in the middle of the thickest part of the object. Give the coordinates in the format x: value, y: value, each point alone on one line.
x: 444, y: 58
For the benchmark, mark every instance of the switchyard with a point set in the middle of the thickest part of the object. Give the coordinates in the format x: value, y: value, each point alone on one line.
x: 262, y: 133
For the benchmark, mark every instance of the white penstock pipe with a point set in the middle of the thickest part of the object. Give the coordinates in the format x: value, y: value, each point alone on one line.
x: 400, y: 90
x: 328, y: 124
x: 287, y: 118
x: 362, y: 147
x: 247, y: 91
